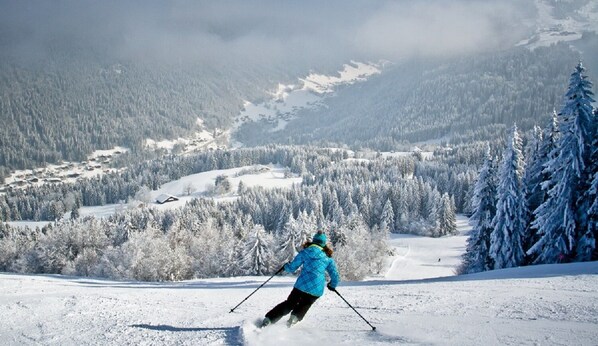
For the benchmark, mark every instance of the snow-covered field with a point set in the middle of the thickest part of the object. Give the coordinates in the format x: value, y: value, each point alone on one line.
x: 191, y: 187
x: 97, y: 163
x: 551, y: 30
x: 287, y: 100
x: 541, y: 305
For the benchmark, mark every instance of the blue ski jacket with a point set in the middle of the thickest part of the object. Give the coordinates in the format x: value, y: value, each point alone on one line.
x: 312, y: 279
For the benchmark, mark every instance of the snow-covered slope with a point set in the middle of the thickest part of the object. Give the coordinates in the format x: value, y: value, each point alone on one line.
x: 287, y: 100
x: 539, y: 305
x: 564, y: 21
x: 198, y: 185
x: 421, y: 257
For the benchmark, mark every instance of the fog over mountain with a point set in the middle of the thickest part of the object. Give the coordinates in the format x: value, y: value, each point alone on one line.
x: 262, y: 31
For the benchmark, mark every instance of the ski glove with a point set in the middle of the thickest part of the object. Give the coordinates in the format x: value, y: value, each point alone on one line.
x: 330, y: 287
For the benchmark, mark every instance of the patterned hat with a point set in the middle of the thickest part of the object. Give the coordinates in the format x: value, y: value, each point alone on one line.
x: 320, y: 238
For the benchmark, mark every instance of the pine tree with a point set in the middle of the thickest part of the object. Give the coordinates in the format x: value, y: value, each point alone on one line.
x: 538, y: 180
x: 586, y: 246
x: 291, y: 239
x: 447, y: 223
x: 477, y: 255
x: 532, y: 178
x: 387, y: 218
x: 562, y: 214
x: 258, y: 254
x: 506, y: 239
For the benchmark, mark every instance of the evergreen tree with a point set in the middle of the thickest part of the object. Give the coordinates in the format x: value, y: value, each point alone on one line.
x: 538, y: 179
x: 532, y: 178
x: 75, y: 213
x: 477, y: 255
x: 258, y: 254
x: 506, y: 239
x: 291, y: 239
x: 586, y: 247
x: 447, y: 223
x: 562, y: 214
x: 387, y: 218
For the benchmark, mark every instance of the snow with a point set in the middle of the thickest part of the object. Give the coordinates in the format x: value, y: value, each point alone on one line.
x: 421, y: 257
x: 350, y: 73
x: 269, y: 176
x: 97, y: 164
x: 201, y: 140
x: 288, y: 99
x: 552, y: 30
x: 547, y: 305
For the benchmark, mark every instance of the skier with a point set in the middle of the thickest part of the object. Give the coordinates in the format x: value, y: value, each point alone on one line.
x: 316, y: 259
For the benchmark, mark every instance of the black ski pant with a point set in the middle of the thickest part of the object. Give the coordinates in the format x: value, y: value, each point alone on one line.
x: 297, y: 304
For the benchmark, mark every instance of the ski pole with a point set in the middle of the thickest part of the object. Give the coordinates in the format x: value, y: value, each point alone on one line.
x: 262, y: 285
x: 351, y: 306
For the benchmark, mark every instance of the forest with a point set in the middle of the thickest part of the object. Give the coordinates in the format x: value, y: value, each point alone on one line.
x: 459, y: 100
x: 358, y: 202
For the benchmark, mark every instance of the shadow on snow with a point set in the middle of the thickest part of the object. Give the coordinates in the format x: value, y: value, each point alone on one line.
x: 232, y: 334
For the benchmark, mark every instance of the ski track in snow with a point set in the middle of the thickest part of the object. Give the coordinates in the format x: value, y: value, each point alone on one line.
x: 547, y: 305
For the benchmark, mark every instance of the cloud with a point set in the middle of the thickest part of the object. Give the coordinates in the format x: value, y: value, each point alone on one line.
x: 261, y: 31
x: 440, y: 28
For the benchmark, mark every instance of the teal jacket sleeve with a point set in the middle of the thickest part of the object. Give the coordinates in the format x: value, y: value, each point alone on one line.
x: 292, y: 266
x: 333, y: 272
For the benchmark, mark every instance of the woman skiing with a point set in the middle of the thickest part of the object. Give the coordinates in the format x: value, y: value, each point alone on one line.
x: 316, y: 260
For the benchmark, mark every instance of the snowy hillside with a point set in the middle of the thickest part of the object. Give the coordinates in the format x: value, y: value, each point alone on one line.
x: 557, y: 22
x: 192, y: 187
x: 287, y: 100
x: 548, y: 305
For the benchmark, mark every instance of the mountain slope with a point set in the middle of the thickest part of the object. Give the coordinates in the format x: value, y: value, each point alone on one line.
x: 460, y: 99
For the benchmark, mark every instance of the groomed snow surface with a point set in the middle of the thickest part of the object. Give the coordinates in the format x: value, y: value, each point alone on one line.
x: 418, y: 301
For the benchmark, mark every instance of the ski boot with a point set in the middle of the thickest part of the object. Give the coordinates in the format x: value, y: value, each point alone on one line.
x: 266, y: 322
x: 292, y: 321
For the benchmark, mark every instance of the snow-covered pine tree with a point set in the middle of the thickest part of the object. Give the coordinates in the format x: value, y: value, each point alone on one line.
x: 581, y: 107
x: 258, y: 254
x: 506, y: 239
x: 538, y: 179
x: 354, y: 256
x: 291, y: 237
x: 477, y: 255
x: 561, y: 215
x: 532, y: 178
x: 387, y: 221
x: 586, y: 248
x: 586, y: 245
x: 307, y: 224
x: 447, y: 222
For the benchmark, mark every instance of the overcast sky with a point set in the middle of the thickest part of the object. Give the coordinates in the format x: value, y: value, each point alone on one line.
x: 265, y: 30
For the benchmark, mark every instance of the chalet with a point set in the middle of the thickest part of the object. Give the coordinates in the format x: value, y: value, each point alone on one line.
x: 165, y: 198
